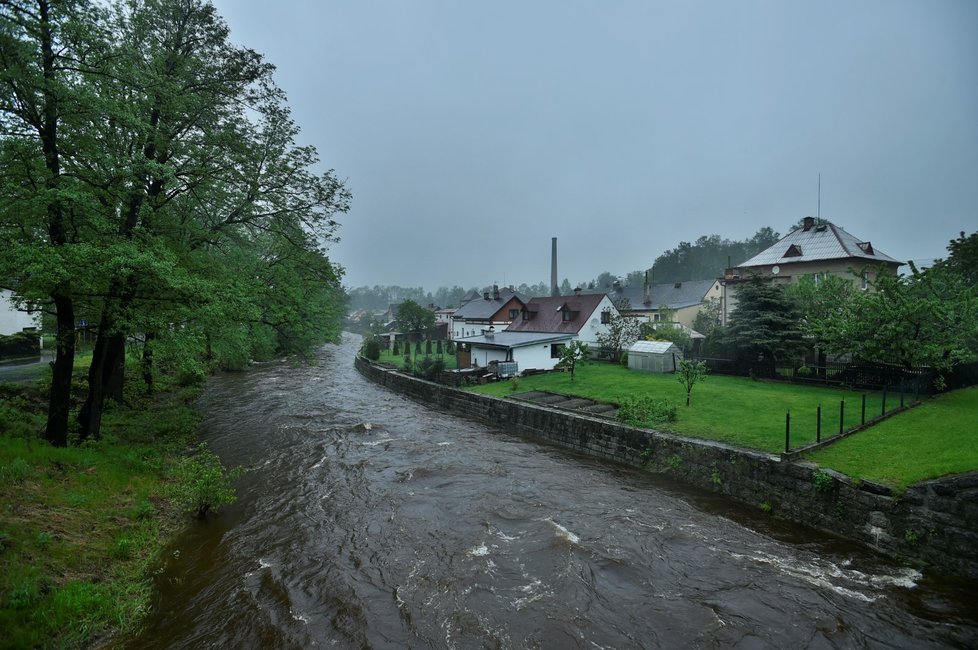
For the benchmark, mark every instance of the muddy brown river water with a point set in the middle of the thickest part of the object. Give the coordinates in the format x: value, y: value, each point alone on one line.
x: 371, y: 521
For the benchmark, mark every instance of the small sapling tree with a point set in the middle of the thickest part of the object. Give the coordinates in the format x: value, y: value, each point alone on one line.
x: 572, y: 355
x: 690, y: 372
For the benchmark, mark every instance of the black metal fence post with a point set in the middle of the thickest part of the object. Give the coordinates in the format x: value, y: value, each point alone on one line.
x: 863, y: 418
x: 818, y: 424
x: 884, y: 401
x: 787, y: 431
x: 842, y: 415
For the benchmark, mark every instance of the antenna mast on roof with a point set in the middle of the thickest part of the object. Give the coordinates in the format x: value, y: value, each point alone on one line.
x: 818, y: 210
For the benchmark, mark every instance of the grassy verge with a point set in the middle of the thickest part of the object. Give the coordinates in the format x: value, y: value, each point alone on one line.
x: 736, y: 410
x: 81, y: 527
x: 935, y: 439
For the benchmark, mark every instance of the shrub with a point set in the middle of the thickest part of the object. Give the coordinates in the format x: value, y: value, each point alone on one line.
x: 203, y: 483
x: 438, y: 347
x: 429, y: 368
x: 371, y: 349
x: 427, y: 346
x: 646, y: 411
x: 397, y: 349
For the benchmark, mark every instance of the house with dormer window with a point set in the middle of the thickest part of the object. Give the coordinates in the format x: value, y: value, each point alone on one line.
x: 813, y: 250
x: 544, y: 326
x: 497, y: 309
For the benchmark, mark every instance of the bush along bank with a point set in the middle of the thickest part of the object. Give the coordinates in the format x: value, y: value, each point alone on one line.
x: 934, y: 522
x: 82, y: 527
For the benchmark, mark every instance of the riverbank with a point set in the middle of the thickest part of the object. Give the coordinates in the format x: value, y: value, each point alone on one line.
x: 932, y: 522
x: 83, y: 527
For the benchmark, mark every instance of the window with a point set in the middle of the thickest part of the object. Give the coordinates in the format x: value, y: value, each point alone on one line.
x: 513, y: 313
x: 605, y: 317
x: 555, y: 350
x: 865, y: 284
x: 817, y: 277
x: 568, y: 314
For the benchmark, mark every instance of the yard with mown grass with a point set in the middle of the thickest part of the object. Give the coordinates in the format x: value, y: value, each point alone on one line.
x: 925, y: 442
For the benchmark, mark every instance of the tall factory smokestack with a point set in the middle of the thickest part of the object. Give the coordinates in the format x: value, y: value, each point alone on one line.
x: 554, y: 289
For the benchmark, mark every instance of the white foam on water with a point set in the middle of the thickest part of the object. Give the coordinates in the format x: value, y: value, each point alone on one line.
x: 829, y: 575
x: 562, y: 532
x: 299, y: 617
x: 479, y: 551
x: 378, y: 442
x: 443, y: 444
x: 263, y: 564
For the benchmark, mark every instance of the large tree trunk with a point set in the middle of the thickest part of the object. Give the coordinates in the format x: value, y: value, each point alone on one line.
x: 56, y: 431
x: 90, y: 415
x: 148, y: 362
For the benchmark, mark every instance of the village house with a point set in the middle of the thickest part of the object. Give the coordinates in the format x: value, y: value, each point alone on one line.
x: 684, y: 300
x: 496, y: 309
x: 12, y: 319
x: 543, y: 327
x: 813, y: 250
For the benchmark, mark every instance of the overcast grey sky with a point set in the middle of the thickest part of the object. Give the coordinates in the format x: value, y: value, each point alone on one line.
x: 470, y: 133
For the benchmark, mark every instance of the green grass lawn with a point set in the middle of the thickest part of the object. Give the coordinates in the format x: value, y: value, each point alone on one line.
x: 736, y: 410
x: 387, y: 357
x: 937, y: 438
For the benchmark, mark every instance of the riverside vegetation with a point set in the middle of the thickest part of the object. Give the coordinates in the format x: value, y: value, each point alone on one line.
x: 82, y: 527
x: 154, y: 197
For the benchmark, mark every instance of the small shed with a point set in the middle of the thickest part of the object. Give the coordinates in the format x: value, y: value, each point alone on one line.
x: 654, y: 356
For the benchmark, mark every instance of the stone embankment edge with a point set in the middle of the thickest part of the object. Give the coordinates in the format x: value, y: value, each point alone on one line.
x: 935, y: 522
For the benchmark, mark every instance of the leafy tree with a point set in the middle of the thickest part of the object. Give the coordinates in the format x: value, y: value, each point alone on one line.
x: 573, y: 354
x: 689, y: 373
x: 708, y: 317
x: 412, y: 317
x: 152, y: 181
x: 927, y: 318
x: 622, y: 332
x: 565, y: 288
x: 964, y: 257
x: 672, y: 332
x: 708, y: 256
x: 765, y: 328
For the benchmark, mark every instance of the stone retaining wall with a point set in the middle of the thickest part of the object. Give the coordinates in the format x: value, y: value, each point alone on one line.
x: 934, y: 522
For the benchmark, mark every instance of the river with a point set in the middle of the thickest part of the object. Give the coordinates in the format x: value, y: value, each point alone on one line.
x: 371, y: 521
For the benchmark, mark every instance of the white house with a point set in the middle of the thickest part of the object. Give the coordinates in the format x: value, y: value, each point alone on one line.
x: 544, y: 327
x: 13, y: 320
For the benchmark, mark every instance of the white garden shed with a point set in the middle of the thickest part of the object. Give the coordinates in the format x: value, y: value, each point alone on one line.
x: 654, y: 356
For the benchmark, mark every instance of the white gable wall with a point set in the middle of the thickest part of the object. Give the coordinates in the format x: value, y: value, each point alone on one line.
x: 12, y: 320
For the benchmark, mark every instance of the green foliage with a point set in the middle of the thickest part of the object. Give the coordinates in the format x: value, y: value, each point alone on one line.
x: 622, y: 332
x: 371, y: 349
x: 674, y: 462
x: 708, y: 317
x: 823, y: 481
x: 645, y: 410
x: 396, y: 351
x: 927, y: 318
x: 911, y: 537
x: 412, y: 317
x: 708, y: 256
x: 672, y: 332
x: 767, y: 507
x: 429, y: 368
x: 646, y: 456
x: 573, y: 355
x: 203, y: 483
x: 417, y: 348
x: 765, y: 329
x: 689, y: 373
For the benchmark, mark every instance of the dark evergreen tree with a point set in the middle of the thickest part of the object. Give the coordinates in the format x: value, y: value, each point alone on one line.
x: 765, y: 328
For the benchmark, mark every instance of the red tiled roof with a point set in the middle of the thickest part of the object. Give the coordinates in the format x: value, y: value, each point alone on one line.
x: 547, y: 314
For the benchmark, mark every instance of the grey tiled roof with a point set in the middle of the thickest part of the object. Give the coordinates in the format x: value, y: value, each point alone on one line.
x: 825, y: 242
x: 674, y: 297
x: 482, y: 309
